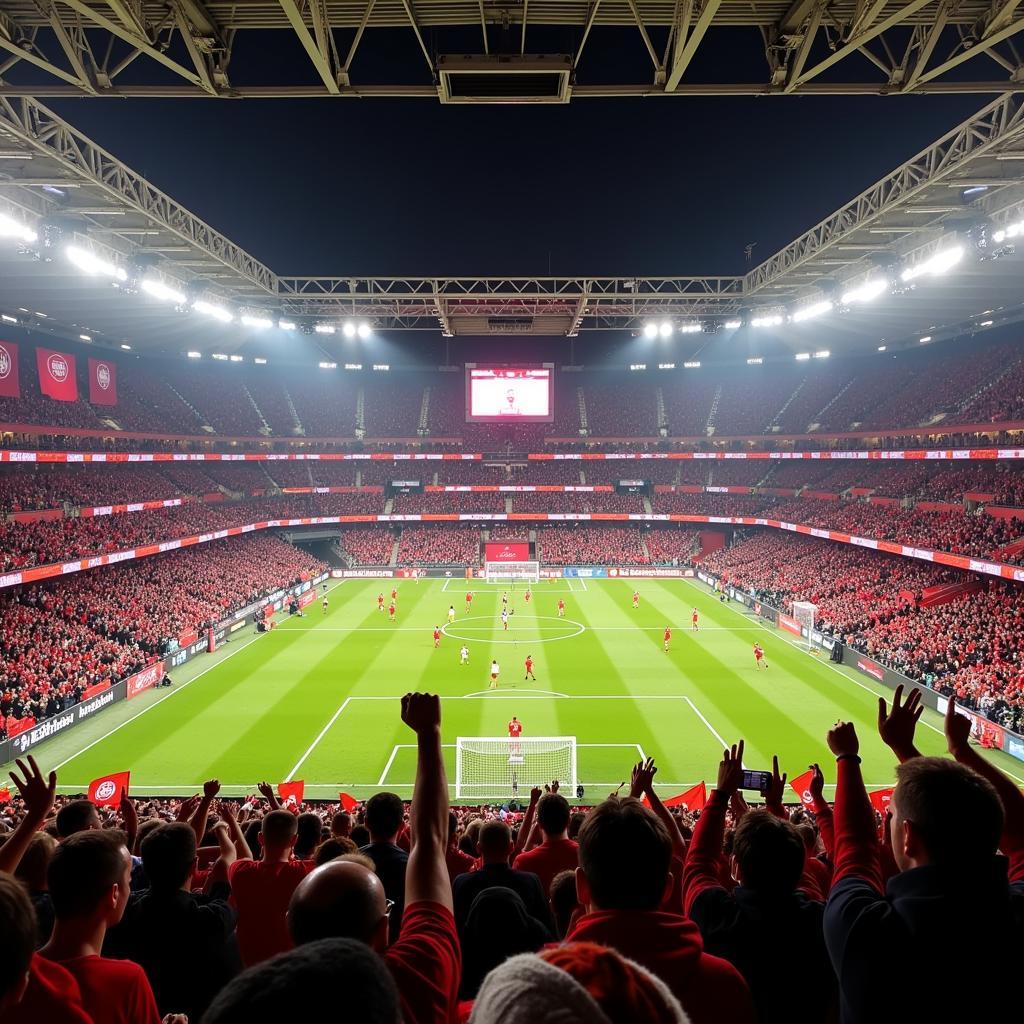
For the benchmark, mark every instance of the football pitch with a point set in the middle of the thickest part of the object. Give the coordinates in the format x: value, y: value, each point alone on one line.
x: 317, y: 698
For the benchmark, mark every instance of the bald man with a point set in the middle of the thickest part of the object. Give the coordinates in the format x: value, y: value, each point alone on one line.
x: 345, y: 898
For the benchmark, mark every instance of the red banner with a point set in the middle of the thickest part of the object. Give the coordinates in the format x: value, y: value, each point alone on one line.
x: 788, y: 623
x: 880, y: 800
x: 871, y: 668
x: 107, y: 789
x: 9, y: 386
x: 801, y: 785
x: 57, y: 379
x: 91, y: 691
x: 693, y: 799
x: 5, y: 795
x: 16, y: 726
x: 348, y: 803
x: 507, y: 551
x: 102, y: 382
x: 291, y: 793
x: 144, y: 680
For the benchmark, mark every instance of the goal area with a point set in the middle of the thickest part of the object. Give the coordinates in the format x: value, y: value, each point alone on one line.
x: 504, y: 768
x: 805, y: 613
x: 511, y: 572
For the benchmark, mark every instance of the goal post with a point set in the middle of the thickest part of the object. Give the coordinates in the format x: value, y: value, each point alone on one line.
x: 511, y: 572
x: 805, y: 613
x: 504, y: 767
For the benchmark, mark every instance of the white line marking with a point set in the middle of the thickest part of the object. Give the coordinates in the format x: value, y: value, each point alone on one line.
x: 387, y: 767
x: 494, y: 693
x: 323, y: 731
x: 714, y: 732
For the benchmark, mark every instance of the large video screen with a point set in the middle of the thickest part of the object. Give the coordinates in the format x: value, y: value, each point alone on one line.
x: 507, y: 551
x: 503, y: 394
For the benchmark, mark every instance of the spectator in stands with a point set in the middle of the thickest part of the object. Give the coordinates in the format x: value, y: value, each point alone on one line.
x: 622, y: 881
x: 557, y: 852
x: 458, y: 863
x: 385, y: 818
x: 564, y: 902
x: 764, y: 922
x: 495, y: 848
x: 341, y: 825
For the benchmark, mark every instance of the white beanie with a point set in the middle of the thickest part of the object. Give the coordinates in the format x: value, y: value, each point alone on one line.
x: 528, y: 990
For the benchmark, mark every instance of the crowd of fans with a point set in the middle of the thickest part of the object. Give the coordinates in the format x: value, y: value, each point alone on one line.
x: 367, y: 547
x: 449, y: 502
x: 672, y: 546
x: 59, y: 639
x: 578, y: 502
x: 225, y: 910
x: 587, y: 545
x: 439, y: 545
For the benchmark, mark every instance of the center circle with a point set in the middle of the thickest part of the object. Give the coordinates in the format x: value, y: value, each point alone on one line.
x: 572, y: 629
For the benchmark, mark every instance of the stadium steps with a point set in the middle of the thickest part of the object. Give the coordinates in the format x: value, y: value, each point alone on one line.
x: 508, y: 505
x: 393, y: 560
x: 265, y: 429
x: 424, y: 423
x: 581, y: 403
x: 774, y: 423
x: 986, y: 386
x: 297, y: 426
x: 188, y: 405
x: 360, y: 413
x: 659, y: 401
x: 835, y: 398
x: 644, y: 548
x: 647, y: 505
x: 709, y: 427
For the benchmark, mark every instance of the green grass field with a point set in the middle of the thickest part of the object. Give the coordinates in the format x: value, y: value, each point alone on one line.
x: 317, y: 698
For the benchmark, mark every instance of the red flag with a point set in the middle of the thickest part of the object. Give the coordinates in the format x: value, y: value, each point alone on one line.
x: 348, y: 803
x: 107, y: 789
x: 693, y: 799
x: 102, y: 382
x: 5, y: 795
x: 801, y: 785
x: 57, y: 379
x: 291, y: 793
x: 9, y: 387
x: 880, y: 799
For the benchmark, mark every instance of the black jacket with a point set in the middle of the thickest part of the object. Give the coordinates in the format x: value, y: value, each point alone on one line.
x: 524, y: 883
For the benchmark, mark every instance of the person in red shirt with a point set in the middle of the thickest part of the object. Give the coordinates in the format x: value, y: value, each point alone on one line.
x: 394, y: 594
x: 529, y: 669
x: 636, y: 598
x: 260, y: 890
x: 561, y: 608
x: 469, y: 600
x: 457, y: 862
x: 90, y: 880
x: 694, y: 619
x: 437, y: 637
x: 346, y: 900
x: 557, y: 852
x: 515, y: 728
x: 527, y: 595
x: 668, y: 638
x: 380, y: 602
x: 759, y: 657
x: 391, y: 611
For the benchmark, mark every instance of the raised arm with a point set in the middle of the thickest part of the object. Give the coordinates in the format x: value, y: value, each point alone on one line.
x: 130, y: 820
x: 856, y: 843
x: 38, y: 794
x: 643, y: 785
x: 210, y: 790
x: 527, y: 824
x: 776, y: 791
x: 896, y: 727
x: 268, y: 794
x: 822, y: 812
x: 226, y: 856
x: 230, y: 815
x: 426, y: 876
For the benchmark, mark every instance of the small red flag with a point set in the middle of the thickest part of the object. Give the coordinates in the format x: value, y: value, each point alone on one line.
x: 801, y: 785
x: 693, y: 799
x: 106, y: 791
x: 348, y: 803
x: 880, y: 799
x: 291, y: 793
x: 5, y: 795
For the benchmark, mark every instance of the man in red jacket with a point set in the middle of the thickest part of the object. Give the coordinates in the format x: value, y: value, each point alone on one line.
x: 558, y: 852
x: 622, y: 881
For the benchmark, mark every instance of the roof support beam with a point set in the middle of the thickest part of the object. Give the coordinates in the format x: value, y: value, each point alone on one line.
x: 411, y: 13
x: 928, y: 47
x: 321, y: 59
x: 659, y: 68
x: 988, y: 41
x: 591, y: 15
x: 685, y: 48
x: 800, y: 57
x: 357, y: 39
x: 130, y: 15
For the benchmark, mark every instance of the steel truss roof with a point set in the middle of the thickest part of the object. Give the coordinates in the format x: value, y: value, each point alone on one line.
x: 199, y: 47
x: 50, y: 170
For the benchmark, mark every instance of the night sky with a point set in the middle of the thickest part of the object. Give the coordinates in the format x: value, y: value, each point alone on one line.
x: 387, y: 187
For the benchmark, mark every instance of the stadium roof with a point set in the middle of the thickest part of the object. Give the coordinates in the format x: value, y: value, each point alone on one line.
x: 958, y: 192
x: 450, y: 49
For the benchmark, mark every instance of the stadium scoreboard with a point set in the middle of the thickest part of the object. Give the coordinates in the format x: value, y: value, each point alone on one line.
x: 510, y: 394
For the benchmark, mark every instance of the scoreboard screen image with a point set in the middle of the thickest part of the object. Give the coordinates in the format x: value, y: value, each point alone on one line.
x: 502, y: 394
x: 507, y: 551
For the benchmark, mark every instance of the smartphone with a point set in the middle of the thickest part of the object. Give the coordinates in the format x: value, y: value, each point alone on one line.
x: 758, y: 781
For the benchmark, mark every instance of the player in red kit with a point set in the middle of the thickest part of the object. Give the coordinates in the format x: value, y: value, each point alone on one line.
x: 515, y: 730
x: 469, y: 600
x: 636, y: 598
x: 437, y: 637
x: 759, y: 657
x: 391, y: 611
x: 561, y: 608
x: 694, y: 619
x: 380, y: 602
x: 668, y: 638
x: 394, y: 594
x: 527, y: 595
x: 529, y: 669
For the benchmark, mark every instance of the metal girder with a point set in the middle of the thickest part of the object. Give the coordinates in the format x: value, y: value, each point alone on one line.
x: 987, y: 41
x: 1000, y: 122
x: 685, y: 48
x: 315, y: 50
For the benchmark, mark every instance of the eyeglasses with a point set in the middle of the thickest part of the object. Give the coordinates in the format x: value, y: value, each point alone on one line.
x: 389, y: 905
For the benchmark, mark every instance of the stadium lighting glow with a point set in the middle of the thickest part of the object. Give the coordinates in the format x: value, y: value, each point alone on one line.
x: 324, y: 328
x: 261, y: 323
x: 10, y: 228
x: 691, y: 365
x: 665, y: 328
x: 650, y: 329
x: 126, y: 346
x: 348, y: 329
x: 937, y: 264
x: 755, y: 361
x: 822, y: 354
x: 260, y: 361
x: 925, y: 339
x: 666, y: 366
x: 881, y: 348
x: 766, y: 321
x: 194, y: 355
x: 237, y: 359
x: 1010, y: 231
x: 363, y: 330
x: 353, y: 366
x: 81, y: 337
x: 217, y: 312
x: 690, y: 329
x: 90, y: 263
x: 383, y: 367
x: 865, y: 292
x: 986, y: 323
x: 638, y: 366
x: 801, y: 356
x: 159, y: 290
x: 286, y: 325
x: 219, y: 355
x: 732, y: 325
x: 8, y: 319
x: 809, y: 312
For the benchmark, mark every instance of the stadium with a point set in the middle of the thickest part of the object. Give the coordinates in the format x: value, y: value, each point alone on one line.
x: 569, y: 636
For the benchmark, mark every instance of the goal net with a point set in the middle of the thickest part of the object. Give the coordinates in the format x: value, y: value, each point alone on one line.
x: 510, y: 572
x: 805, y: 613
x: 502, y: 768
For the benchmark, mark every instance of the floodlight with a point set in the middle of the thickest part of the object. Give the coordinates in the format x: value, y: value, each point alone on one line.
x: 159, y: 290
x: 363, y: 330
x: 217, y: 312
x: 90, y: 263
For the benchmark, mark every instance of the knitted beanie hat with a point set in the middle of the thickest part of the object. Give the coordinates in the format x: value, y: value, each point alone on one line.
x: 577, y: 983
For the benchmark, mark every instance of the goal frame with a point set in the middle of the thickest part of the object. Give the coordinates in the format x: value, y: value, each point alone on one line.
x: 498, y: 791
x: 512, y: 572
x: 805, y: 612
